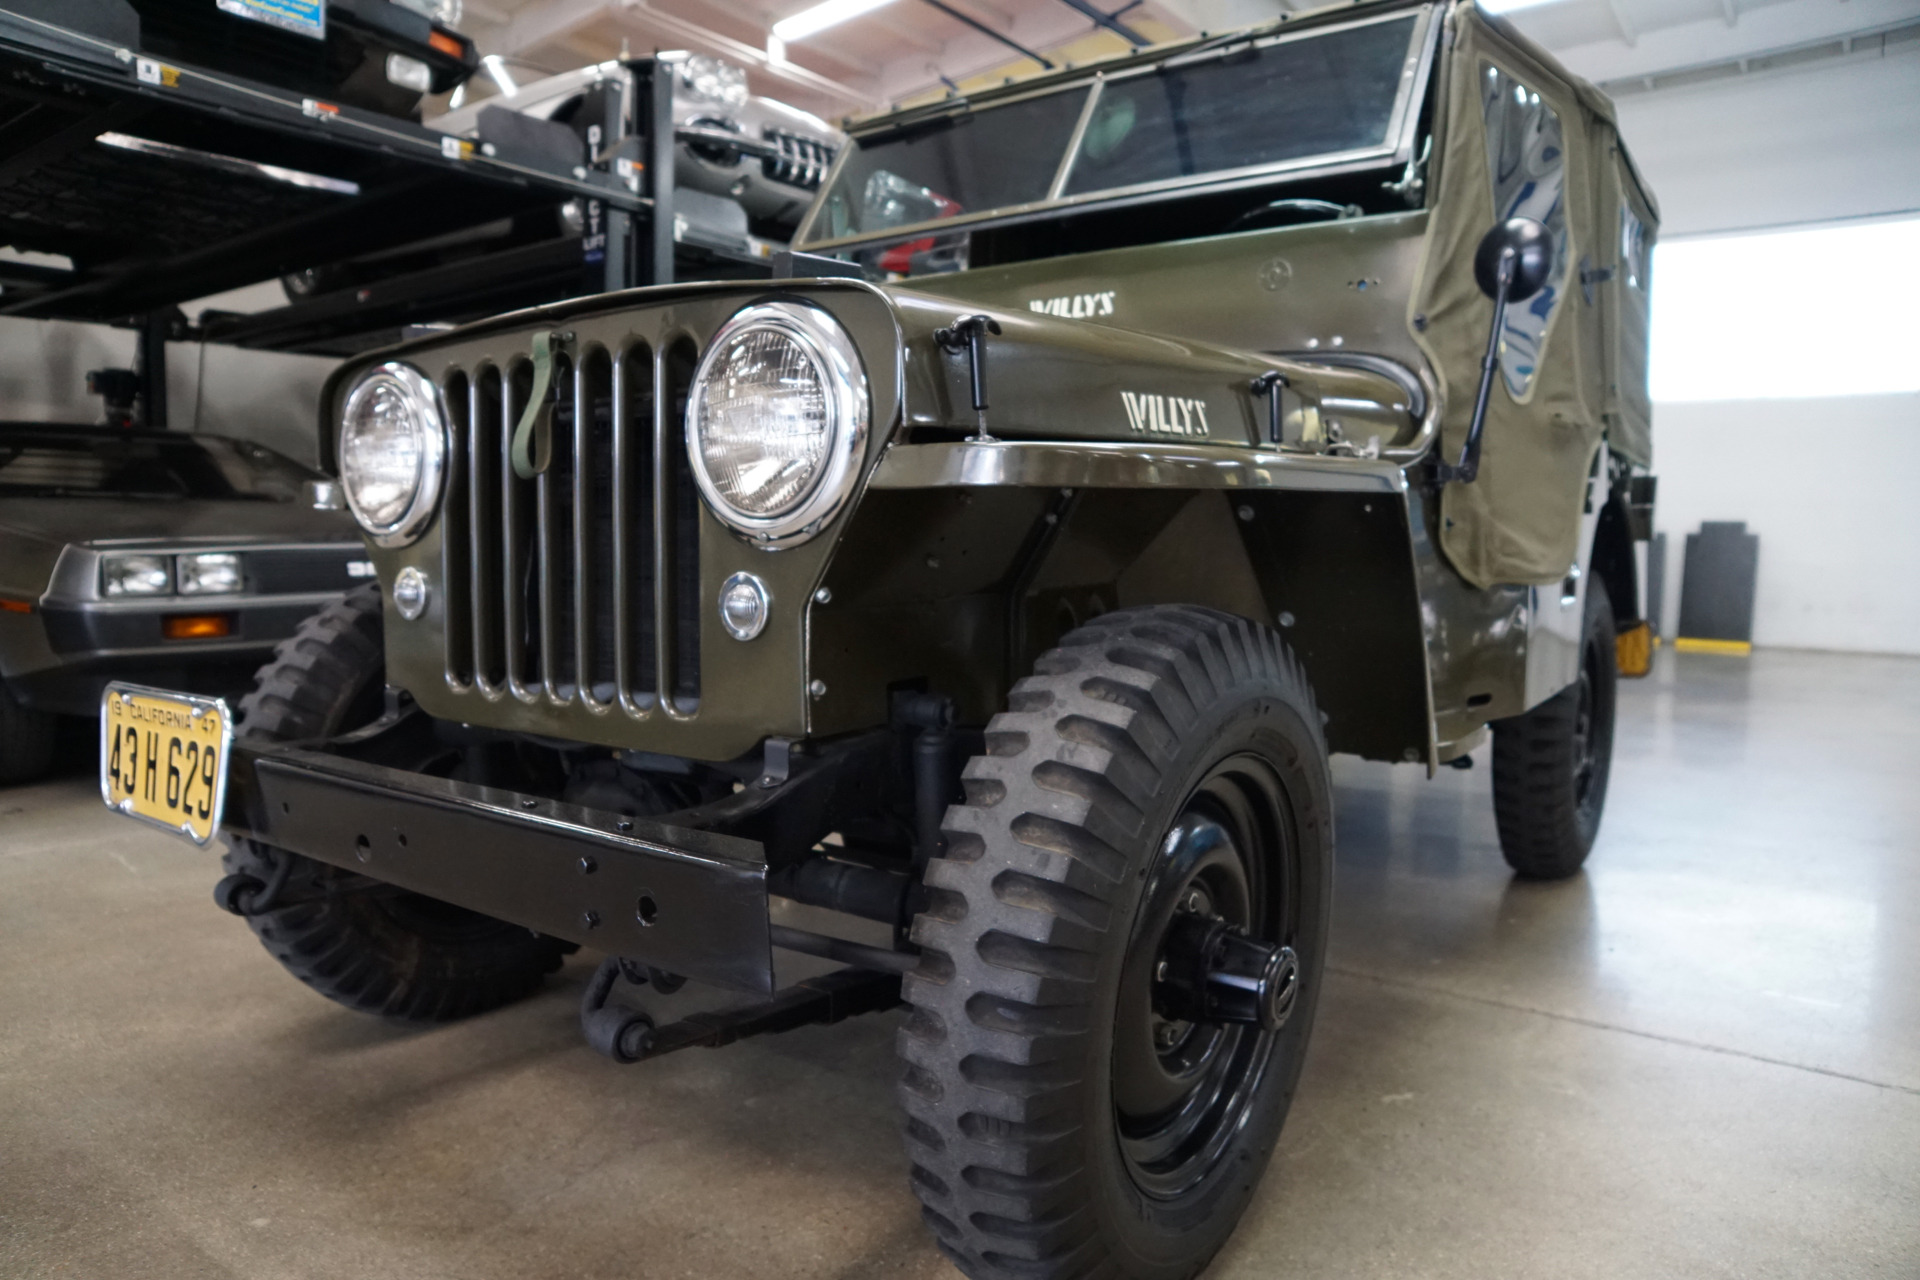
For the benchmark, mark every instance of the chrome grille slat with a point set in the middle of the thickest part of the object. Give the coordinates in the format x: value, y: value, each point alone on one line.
x: 584, y: 515
x: 544, y: 519
x: 662, y: 537
x: 481, y: 627
x: 623, y: 655
x: 567, y: 586
x: 514, y: 557
x: 457, y: 640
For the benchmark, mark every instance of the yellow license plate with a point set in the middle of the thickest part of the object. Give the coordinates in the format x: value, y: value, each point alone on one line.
x: 163, y: 758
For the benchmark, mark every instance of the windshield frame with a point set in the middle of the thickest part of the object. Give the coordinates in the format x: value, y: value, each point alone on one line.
x: 1398, y: 148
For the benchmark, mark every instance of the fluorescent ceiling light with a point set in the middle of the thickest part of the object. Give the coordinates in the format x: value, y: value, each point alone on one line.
x: 1508, y: 6
x: 809, y: 21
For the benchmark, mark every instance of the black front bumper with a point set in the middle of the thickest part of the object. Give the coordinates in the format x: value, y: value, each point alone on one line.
x: 692, y: 902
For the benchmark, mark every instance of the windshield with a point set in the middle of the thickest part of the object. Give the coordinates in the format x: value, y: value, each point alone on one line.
x: 1294, y: 99
x: 83, y: 462
x: 957, y: 164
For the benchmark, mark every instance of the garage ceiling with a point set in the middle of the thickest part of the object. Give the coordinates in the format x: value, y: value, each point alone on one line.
x: 905, y: 49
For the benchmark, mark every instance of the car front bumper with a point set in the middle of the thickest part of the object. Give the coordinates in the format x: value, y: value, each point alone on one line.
x: 691, y: 902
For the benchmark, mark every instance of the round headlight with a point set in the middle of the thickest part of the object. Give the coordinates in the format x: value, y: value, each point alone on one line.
x: 392, y: 447
x: 777, y: 421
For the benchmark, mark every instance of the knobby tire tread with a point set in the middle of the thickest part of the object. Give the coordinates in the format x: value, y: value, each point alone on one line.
x: 1020, y: 904
x: 349, y: 946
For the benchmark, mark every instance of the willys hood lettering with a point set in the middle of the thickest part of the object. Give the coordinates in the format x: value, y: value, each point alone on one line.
x: 1076, y: 306
x: 1165, y: 415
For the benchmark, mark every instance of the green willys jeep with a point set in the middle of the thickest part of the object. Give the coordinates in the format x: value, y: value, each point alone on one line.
x: 1118, y: 444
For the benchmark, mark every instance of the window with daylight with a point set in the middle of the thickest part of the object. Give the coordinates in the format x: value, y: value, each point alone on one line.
x: 1528, y: 157
x: 1800, y: 314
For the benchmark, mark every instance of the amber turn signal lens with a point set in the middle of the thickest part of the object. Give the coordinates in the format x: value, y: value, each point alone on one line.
x: 446, y: 44
x: 197, y: 626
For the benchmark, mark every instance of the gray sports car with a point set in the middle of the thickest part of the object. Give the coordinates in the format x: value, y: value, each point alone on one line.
x: 152, y: 556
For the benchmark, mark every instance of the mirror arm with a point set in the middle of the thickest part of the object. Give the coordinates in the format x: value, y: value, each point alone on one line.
x: 1469, y: 465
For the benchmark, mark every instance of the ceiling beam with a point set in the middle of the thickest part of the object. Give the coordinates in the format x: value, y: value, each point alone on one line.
x: 1627, y: 33
x: 1708, y: 40
x: 989, y: 32
x: 1103, y: 19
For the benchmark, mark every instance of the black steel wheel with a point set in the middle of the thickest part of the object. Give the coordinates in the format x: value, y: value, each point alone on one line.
x: 1122, y: 949
x: 375, y: 949
x: 1550, y: 765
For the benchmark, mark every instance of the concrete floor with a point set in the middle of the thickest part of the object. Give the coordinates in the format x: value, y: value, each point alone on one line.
x: 1700, y: 1059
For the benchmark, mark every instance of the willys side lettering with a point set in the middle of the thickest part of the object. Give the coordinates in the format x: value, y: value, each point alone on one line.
x: 1165, y: 415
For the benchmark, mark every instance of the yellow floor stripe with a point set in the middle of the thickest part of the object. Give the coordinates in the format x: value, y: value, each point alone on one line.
x: 1688, y: 644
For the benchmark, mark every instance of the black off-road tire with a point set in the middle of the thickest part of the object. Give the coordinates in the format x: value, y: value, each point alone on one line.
x: 1031, y: 952
x: 380, y: 950
x: 27, y: 739
x: 1550, y: 765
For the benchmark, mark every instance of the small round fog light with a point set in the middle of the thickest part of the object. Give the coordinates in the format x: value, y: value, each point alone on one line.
x: 743, y: 606
x: 410, y: 593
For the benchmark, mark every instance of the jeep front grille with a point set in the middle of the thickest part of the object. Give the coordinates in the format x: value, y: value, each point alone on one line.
x: 579, y: 587
x: 802, y: 162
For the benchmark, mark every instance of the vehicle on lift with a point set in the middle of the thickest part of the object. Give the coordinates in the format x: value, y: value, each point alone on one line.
x: 1238, y: 401
x: 745, y: 170
x: 161, y: 556
x: 381, y: 55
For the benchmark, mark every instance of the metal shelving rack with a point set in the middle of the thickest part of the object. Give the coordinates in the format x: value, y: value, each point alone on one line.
x: 139, y: 184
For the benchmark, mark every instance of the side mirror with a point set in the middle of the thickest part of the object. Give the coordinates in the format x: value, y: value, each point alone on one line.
x: 1528, y: 244
x: 1511, y: 265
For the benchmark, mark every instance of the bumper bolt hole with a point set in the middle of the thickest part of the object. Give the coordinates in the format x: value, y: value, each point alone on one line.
x: 363, y: 848
x: 648, y: 911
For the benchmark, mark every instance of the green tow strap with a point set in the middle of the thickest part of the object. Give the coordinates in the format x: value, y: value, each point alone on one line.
x: 533, y: 434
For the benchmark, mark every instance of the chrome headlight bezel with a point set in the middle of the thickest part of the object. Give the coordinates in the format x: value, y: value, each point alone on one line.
x: 431, y: 411
x: 836, y: 362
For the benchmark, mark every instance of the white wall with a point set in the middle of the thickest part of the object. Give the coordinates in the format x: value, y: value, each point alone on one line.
x: 1828, y: 486
x: 1835, y: 139
x: 1823, y: 482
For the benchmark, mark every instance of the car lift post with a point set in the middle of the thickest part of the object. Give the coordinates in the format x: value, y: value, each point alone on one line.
x: 150, y: 363
x: 653, y: 107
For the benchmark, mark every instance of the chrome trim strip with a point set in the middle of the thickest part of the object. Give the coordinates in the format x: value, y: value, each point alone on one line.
x: 1103, y: 465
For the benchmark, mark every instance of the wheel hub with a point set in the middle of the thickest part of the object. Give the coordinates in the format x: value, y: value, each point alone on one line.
x: 1212, y: 972
x: 1207, y: 984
